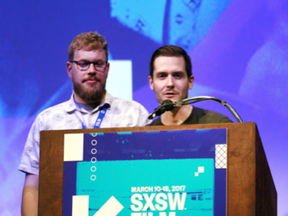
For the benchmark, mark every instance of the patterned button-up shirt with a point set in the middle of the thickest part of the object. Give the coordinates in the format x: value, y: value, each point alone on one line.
x: 67, y: 115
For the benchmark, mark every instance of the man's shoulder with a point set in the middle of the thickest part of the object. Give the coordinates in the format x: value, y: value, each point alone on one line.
x: 126, y: 103
x: 205, y: 116
x: 59, y: 116
x: 60, y: 108
x: 125, y: 113
x: 123, y: 100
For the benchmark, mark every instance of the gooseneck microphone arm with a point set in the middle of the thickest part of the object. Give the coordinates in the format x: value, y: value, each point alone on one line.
x: 168, y: 105
x: 202, y: 98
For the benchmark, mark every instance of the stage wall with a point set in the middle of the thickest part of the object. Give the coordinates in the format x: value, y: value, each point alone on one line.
x: 238, y: 50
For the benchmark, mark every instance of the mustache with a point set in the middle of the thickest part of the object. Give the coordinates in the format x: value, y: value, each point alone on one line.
x: 94, y: 78
x: 170, y: 92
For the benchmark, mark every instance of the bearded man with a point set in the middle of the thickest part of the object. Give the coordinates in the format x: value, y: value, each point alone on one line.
x: 90, y: 106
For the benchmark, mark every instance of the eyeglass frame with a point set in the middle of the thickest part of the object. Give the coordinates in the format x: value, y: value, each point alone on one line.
x: 89, y: 63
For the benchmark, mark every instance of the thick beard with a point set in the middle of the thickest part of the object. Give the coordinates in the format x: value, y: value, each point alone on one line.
x: 92, y: 95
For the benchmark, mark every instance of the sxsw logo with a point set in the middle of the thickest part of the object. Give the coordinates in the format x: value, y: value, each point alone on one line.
x: 112, y: 207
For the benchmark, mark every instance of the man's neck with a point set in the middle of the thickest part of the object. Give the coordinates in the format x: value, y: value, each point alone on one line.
x: 176, y: 116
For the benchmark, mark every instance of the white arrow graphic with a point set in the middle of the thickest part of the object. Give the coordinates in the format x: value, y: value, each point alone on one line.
x: 111, y: 208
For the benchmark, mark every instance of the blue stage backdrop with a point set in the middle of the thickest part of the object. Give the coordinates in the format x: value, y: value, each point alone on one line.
x: 238, y: 50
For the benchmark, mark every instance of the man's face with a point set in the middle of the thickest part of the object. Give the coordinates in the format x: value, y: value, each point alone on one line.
x: 170, y: 81
x: 89, y: 85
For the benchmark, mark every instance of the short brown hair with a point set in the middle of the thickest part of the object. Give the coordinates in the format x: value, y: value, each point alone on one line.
x: 171, y: 50
x: 87, y: 40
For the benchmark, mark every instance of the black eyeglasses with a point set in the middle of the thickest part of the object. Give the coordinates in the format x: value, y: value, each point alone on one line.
x: 84, y: 65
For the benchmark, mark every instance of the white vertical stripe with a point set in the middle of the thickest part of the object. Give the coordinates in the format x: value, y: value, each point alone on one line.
x: 73, y: 147
x: 80, y: 205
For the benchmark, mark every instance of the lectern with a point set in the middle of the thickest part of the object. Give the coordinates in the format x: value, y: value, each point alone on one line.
x: 169, y: 174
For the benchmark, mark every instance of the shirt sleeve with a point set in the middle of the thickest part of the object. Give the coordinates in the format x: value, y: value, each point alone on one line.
x: 30, y: 157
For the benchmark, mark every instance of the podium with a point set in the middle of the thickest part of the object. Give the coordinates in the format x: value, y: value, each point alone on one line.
x: 250, y: 189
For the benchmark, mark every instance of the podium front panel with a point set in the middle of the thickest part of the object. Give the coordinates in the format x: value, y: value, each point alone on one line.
x: 145, y: 173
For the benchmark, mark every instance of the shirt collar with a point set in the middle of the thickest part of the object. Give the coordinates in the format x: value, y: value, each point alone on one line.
x: 71, y: 106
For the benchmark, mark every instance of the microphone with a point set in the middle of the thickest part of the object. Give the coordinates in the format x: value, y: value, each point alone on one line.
x: 167, y: 105
x: 202, y: 98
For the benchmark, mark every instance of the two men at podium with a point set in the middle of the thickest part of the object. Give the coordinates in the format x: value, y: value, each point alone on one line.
x: 91, y: 106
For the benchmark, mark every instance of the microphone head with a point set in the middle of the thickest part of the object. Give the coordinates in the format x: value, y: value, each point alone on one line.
x: 166, y: 102
x: 168, y: 105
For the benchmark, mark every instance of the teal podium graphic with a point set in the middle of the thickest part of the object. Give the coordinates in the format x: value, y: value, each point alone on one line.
x: 162, y: 173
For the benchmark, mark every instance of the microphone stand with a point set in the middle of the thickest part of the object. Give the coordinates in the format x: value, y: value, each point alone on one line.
x: 169, y: 105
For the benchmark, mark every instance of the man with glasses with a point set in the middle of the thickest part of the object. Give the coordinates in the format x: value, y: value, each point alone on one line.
x: 90, y: 106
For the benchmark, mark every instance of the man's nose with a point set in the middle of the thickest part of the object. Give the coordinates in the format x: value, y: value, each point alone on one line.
x: 91, y: 68
x: 170, y: 81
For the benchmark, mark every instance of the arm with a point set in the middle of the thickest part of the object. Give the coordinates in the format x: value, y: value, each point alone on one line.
x: 30, y: 195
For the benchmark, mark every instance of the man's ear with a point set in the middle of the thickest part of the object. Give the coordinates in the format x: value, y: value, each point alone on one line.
x: 191, y: 81
x: 151, y: 82
x: 107, y: 69
x: 69, y: 69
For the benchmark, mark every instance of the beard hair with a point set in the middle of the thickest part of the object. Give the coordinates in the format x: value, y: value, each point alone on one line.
x: 91, y: 96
